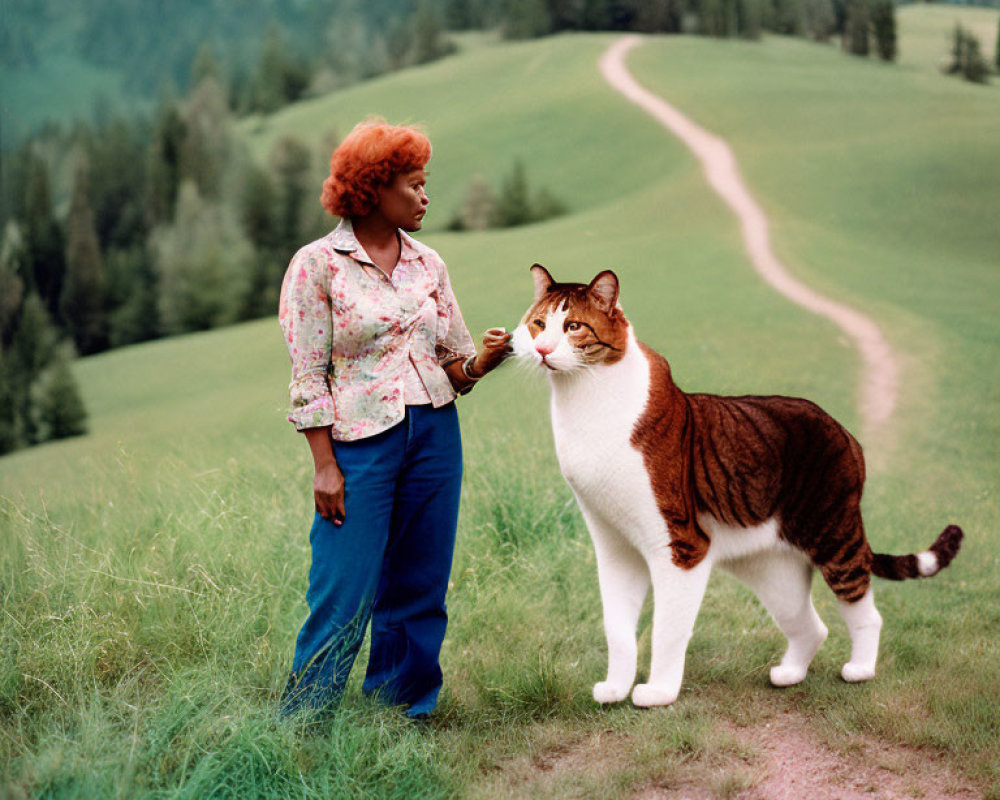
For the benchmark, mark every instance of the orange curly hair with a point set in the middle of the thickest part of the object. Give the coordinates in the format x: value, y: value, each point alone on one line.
x: 368, y: 159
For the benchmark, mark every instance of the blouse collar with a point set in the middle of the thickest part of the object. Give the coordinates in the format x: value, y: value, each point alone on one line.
x: 344, y: 241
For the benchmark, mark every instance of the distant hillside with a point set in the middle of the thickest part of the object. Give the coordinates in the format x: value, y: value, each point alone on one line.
x: 58, y: 58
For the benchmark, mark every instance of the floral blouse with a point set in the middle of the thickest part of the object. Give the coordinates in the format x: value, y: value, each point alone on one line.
x: 356, y: 335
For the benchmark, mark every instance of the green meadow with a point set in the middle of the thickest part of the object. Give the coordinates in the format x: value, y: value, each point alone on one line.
x: 152, y: 573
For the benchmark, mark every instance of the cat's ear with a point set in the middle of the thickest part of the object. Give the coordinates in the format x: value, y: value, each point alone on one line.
x: 542, y: 280
x: 604, y: 291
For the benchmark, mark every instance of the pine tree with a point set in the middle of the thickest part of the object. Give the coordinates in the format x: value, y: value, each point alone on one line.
x: 883, y: 15
x: 546, y: 205
x: 11, y: 294
x: 820, y: 19
x: 857, y: 27
x: 11, y: 284
x: 966, y: 58
x: 135, y: 317
x: 207, y: 142
x: 564, y: 15
x: 957, y: 50
x: 119, y: 183
x: 711, y: 18
x: 788, y: 17
x: 258, y: 207
x: 31, y: 350
x: 169, y: 133
x: 458, y: 15
x: 369, y: 54
x: 268, y: 84
x: 9, y: 434
x: 258, y: 213
x: 61, y: 412
x: 513, y: 205
x: 478, y: 206
x: 661, y: 16
x: 201, y: 261
x: 45, y: 261
x: 81, y: 304
x: 749, y: 15
x: 205, y: 65
x: 516, y: 205
x: 429, y: 41
x: 280, y: 79
x: 525, y: 19
x: 290, y: 165
x: 594, y: 15
x: 974, y: 67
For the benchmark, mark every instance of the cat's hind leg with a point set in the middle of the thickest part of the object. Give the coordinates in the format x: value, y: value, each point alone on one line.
x: 624, y: 582
x: 782, y: 581
x: 848, y: 573
x: 677, y: 596
x: 864, y: 624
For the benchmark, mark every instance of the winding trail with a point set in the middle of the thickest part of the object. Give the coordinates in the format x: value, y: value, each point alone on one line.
x: 880, y: 379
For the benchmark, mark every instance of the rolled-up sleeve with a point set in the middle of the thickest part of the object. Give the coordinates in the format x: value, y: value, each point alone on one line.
x: 454, y: 342
x: 307, y: 322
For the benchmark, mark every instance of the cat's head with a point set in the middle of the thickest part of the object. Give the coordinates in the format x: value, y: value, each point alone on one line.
x: 572, y: 326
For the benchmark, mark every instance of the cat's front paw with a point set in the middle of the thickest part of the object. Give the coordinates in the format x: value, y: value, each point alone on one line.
x: 647, y: 695
x: 605, y: 692
x: 787, y: 675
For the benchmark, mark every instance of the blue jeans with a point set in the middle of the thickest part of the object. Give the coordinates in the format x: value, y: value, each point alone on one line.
x: 388, y: 563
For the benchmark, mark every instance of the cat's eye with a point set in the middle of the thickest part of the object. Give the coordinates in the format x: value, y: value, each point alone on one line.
x: 540, y: 324
x: 573, y: 326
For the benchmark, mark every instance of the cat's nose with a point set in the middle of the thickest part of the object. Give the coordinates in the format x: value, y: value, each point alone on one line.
x: 543, y: 348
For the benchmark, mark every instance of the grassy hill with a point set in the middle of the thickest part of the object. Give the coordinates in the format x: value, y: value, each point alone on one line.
x: 153, y: 572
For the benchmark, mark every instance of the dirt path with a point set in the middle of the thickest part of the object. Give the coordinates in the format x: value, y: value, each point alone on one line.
x: 880, y: 380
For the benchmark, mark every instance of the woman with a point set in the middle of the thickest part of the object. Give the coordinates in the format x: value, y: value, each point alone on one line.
x: 379, y: 351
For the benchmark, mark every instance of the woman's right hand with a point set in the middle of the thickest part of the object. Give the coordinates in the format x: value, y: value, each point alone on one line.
x: 328, y: 485
x: 328, y: 492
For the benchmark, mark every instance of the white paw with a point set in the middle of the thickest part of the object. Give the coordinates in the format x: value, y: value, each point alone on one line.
x: 605, y: 692
x: 856, y: 673
x: 646, y: 695
x: 787, y: 675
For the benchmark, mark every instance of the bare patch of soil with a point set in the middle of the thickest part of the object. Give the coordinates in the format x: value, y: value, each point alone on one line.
x: 545, y: 773
x: 788, y: 762
x: 783, y: 759
x: 793, y: 764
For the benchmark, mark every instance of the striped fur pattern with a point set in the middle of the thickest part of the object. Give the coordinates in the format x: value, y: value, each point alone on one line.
x: 672, y: 484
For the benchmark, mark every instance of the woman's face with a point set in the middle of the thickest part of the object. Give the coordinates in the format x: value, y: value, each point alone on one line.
x: 404, y: 201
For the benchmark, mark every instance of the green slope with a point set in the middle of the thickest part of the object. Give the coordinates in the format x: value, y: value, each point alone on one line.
x: 882, y: 191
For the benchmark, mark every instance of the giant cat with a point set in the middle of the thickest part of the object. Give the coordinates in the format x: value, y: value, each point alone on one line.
x: 673, y: 484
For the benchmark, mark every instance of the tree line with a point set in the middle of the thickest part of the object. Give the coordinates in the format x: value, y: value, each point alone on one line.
x: 862, y: 25
x: 152, y: 43
x: 170, y: 226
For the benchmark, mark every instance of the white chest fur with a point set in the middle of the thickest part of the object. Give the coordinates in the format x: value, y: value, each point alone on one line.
x: 593, y: 415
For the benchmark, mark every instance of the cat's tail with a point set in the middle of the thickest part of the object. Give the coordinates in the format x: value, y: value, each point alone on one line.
x: 920, y: 565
